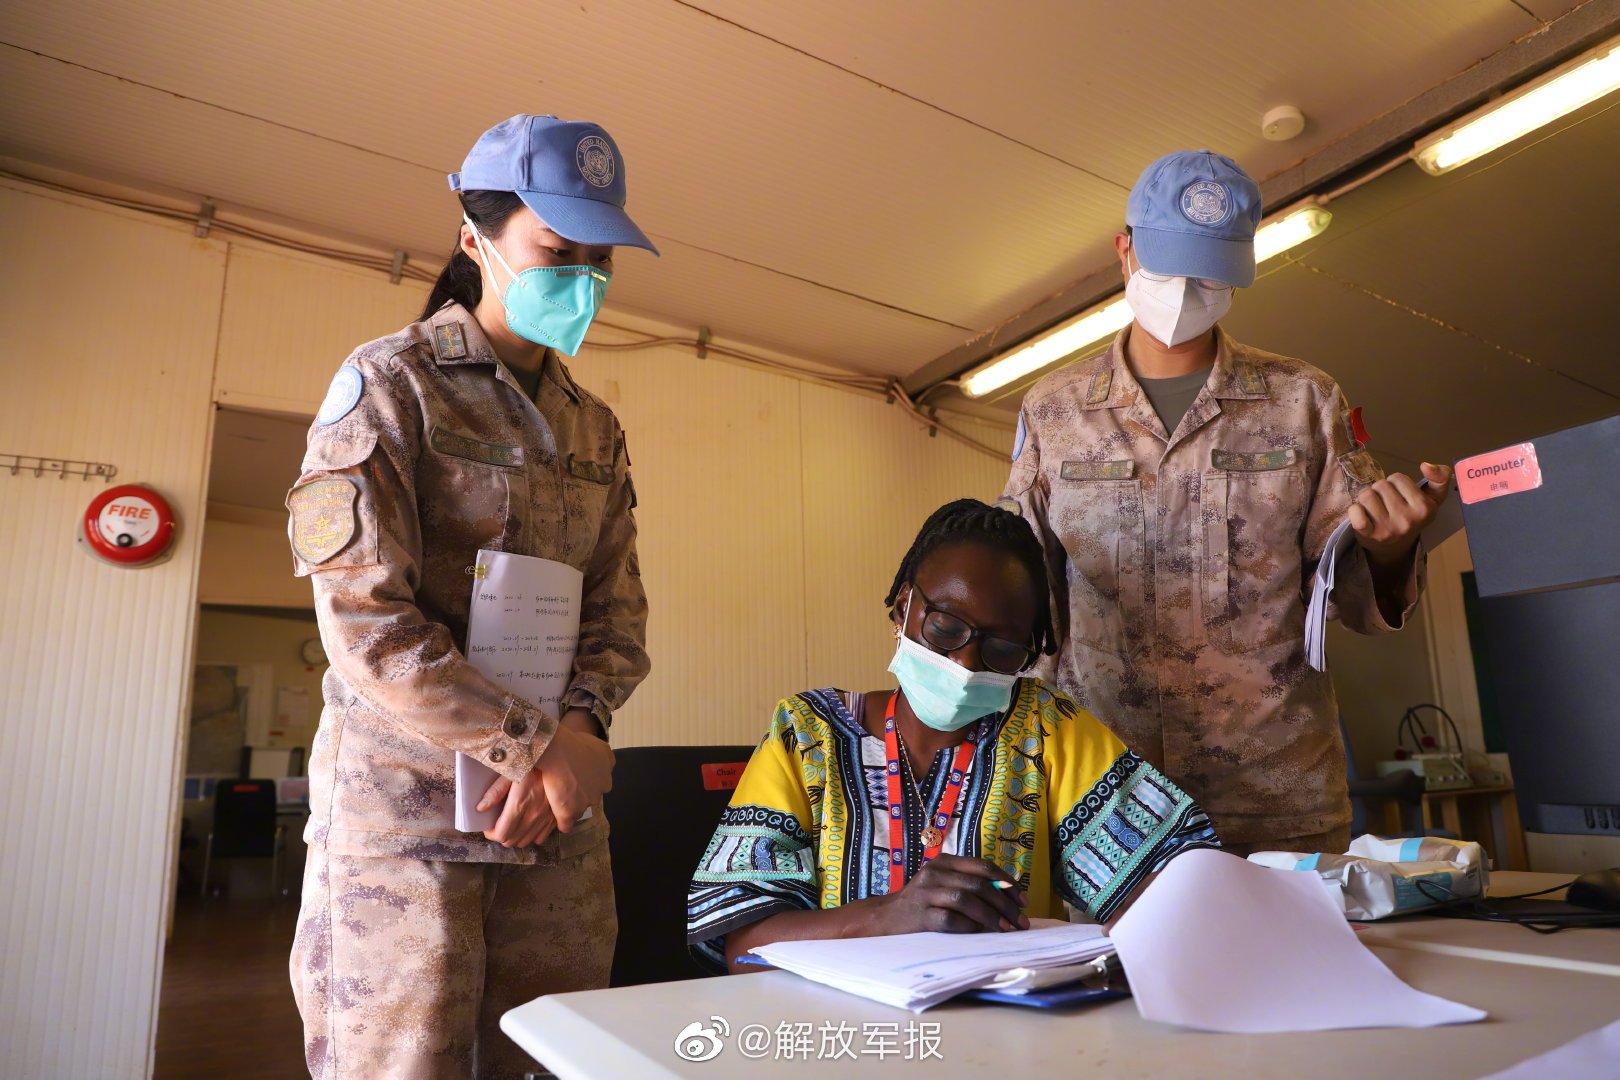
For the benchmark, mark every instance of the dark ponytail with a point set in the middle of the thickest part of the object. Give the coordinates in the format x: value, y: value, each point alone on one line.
x: 461, y: 280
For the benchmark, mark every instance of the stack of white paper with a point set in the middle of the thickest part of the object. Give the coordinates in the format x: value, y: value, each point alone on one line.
x: 1447, y: 521
x: 522, y: 630
x: 1221, y: 944
x: 917, y: 971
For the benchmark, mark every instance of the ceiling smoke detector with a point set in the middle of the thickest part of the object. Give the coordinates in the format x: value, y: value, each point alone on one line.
x: 1282, y: 123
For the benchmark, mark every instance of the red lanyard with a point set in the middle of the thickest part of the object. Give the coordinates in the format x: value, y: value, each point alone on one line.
x: 933, y: 836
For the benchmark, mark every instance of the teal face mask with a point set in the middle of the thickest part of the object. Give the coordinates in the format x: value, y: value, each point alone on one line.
x: 945, y: 695
x: 548, y: 305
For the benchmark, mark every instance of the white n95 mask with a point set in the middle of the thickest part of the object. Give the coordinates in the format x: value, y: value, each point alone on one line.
x: 1176, y: 309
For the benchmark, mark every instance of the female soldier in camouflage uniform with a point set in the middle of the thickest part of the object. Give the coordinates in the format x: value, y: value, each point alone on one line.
x: 465, y: 431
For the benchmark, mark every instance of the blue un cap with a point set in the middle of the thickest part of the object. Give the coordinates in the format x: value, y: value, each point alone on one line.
x: 570, y: 174
x: 1193, y: 214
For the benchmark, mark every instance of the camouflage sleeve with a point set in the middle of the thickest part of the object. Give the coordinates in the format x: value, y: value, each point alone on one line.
x: 612, y: 658
x: 357, y: 535
x: 1347, y: 469
x: 1026, y: 496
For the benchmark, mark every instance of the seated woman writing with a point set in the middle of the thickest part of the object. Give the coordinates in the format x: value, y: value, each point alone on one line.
x: 967, y: 800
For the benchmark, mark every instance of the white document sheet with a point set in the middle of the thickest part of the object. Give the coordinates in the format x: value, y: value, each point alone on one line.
x: 916, y: 971
x: 522, y: 630
x: 1221, y: 944
x: 1595, y: 1054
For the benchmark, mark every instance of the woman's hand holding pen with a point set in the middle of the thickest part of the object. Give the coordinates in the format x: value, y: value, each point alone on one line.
x: 953, y: 894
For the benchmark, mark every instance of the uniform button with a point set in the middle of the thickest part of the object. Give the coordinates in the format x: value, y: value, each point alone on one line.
x: 516, y: 726
x: 497, y: 755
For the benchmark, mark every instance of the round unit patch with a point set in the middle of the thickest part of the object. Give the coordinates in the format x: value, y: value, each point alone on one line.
x: 341, y: 396
x: 594, y: 156
x: 1204, y: 202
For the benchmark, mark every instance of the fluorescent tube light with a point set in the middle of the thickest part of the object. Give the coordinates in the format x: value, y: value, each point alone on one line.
x: 1057, y: 343
x: 1293, y: 226
x: 1561, y: 91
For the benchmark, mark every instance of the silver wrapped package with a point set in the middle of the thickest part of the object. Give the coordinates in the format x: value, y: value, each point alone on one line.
x: 1378, y: 878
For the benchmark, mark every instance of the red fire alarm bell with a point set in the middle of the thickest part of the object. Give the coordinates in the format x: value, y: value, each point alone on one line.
x: 129, y: 525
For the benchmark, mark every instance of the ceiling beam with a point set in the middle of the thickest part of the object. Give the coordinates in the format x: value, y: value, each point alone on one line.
x: 1578, y: 30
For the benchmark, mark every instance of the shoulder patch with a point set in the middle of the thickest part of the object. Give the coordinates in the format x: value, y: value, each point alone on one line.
x: 322, y: 518
x: 342, y: 396
x: 1018, y: 439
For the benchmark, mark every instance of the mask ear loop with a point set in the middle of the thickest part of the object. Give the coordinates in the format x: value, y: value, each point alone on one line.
x: 905, y: 616
x: 486, y: 251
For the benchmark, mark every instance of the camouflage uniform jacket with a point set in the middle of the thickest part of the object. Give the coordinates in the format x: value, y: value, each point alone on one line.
x: 1180, y: 566
x: 426, y: 450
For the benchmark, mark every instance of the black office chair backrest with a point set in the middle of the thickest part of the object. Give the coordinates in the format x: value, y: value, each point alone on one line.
x: 244, y: 818
x: 663, y: 809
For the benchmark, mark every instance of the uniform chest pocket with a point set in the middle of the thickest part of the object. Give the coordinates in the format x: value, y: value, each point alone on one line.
x: 471, y: 494
x: 586, y: 485
x: 1253, y: 506
x: 1096, y: 512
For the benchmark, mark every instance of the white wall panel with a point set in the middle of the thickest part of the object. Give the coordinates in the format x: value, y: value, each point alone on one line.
x: 872, y: 477
x: 289, y: 321
x: 716, y: 450
x: 110, y: 328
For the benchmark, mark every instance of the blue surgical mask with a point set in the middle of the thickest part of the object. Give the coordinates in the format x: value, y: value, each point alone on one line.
x: 548, y: 305
x: 945, y: 695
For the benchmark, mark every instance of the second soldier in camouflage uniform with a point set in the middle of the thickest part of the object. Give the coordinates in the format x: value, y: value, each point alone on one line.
x: 461, y: 432
x: 1184, y: 486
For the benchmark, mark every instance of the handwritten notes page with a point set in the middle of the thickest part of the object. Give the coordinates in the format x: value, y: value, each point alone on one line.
x: 522, y: 630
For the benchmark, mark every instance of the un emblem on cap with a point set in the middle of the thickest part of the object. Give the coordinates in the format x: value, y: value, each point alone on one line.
x: 1204, y: 202
x: 594, y: 156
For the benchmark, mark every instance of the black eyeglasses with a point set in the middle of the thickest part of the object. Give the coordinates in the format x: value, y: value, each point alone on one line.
x: 947, y: 633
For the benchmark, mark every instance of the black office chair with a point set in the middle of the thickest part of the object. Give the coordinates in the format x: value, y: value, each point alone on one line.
x: 665, y: 803
x: 244, y: 826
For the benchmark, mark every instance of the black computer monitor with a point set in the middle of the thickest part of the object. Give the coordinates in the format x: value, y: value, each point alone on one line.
x: 1554, y: 659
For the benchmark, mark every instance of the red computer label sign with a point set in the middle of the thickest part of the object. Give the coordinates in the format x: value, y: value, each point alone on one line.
x: 723, y: 777
x: 129, y: 525
x: 1501, y: 472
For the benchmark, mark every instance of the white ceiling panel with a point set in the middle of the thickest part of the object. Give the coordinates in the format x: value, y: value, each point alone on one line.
x: 862, y: 184
x: 1110, y: 87
x: 759, y: 152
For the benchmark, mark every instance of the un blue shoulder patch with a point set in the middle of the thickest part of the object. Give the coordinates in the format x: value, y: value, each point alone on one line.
x: 342, y: 396
x: 1018, y: 439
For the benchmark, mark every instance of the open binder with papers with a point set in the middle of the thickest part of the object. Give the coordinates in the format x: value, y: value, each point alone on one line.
x: 918, y: 971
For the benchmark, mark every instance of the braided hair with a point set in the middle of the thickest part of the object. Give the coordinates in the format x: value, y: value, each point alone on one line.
x: 971, y: 521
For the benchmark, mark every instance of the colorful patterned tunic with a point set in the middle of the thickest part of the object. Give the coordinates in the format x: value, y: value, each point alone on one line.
x: 1051, y: 796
